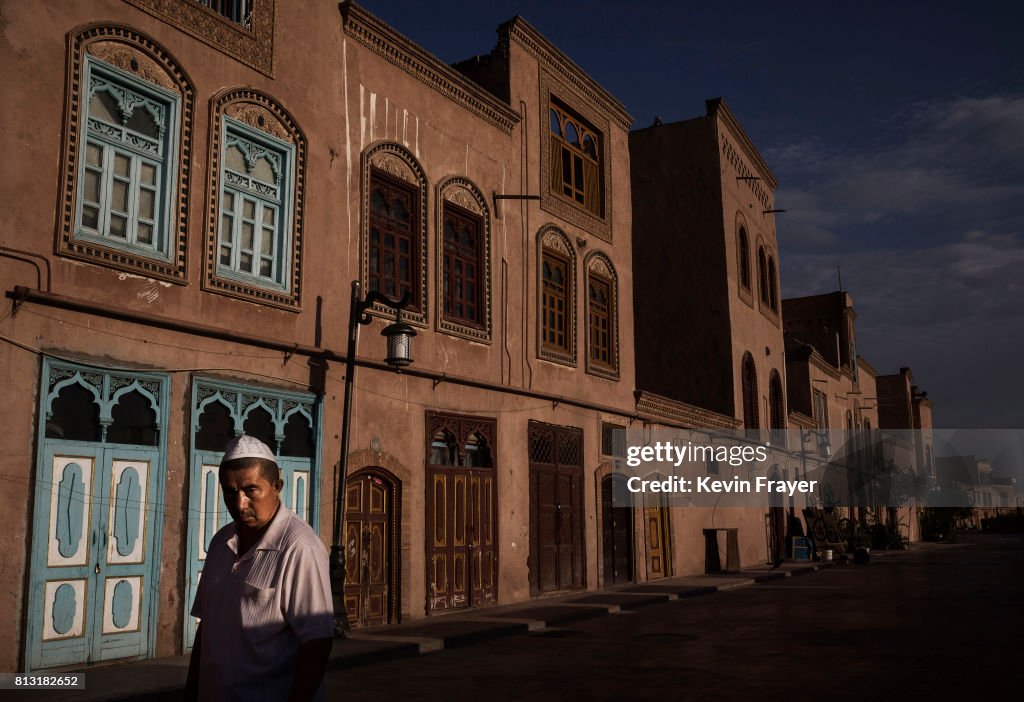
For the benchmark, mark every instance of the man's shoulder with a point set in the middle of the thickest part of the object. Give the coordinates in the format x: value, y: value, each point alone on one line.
x: 298, y: 534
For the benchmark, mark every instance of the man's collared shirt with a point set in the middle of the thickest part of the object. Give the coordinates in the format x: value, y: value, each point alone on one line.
x: 258, y: 608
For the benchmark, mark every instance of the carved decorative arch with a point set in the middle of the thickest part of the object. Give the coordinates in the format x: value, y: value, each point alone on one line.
x: 263, y: 113
x: 552, y: 240
x: 137, y: 55
x: 463, y: 195
x: 396, y: 162
x: 600, y: 267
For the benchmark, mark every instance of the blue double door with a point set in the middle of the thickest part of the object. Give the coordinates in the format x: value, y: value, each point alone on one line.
x: 94, y: 560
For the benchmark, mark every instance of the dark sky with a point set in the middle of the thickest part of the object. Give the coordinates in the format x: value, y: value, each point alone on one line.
x: 896, y: 131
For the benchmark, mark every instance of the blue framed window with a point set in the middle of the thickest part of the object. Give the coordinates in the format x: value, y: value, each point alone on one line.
x: 127, y: 162
x: 254, y: 237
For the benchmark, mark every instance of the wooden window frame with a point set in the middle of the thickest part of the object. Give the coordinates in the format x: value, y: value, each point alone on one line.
x: 600, y: 270
x: 585, y: 186
x: 459, y: 197
x: 554, y: 245
x: 376, y: 277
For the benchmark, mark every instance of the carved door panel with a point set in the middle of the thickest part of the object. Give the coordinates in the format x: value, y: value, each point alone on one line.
x: 483, y: 552
x: 616, y: 535
x: 92, y: 573
x: 462, y: 559
x: 461, y: 512
x: 656, y: 527
x: 368, y: 558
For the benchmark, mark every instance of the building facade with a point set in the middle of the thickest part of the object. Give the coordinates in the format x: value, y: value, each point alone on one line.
x: 203, y: 189
x: 709, y: 343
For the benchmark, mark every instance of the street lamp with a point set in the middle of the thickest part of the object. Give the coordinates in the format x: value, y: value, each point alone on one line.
x: 399, y: 339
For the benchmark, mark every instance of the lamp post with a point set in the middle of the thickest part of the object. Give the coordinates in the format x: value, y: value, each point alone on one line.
x: 399, y: 338
x: 823, y: 449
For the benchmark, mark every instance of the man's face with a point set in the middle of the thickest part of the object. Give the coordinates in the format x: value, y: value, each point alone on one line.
x: 250, y: 498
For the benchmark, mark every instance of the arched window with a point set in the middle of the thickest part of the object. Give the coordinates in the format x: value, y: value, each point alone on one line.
x: 127, y: 154
x: 463, y: 227
x: 744, y: 259
x: 773, y: 290
x: 75, y: 415
x: 762, y: 275
x: 216, y: 427
x: 395, y: 226
x: 777, y: 405
x: 134, y: 421
x: 256, y: 183
x: 748, y: 374
x: 557, y: 299
x: 602, y: 316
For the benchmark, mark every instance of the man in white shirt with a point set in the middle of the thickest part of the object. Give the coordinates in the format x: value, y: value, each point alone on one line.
x: 264, y: 596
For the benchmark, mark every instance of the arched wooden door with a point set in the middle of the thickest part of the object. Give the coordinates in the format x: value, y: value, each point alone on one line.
x: 616, y: 531
x: 371, y: 534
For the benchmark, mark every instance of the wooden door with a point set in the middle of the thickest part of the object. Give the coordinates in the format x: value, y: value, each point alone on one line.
x: 92, y: 584
x: 556, y: 508
x: 656, y: 528
x: 368, y: 587
x: 461, y: 513
x: 616, y: 532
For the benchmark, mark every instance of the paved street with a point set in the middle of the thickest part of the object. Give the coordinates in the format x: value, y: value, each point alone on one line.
x: 941, y: 622
x: 938, y: 622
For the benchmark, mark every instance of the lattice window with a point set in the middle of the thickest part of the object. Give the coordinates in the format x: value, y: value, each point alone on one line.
x: 253, y: 237
x: 460, y: 441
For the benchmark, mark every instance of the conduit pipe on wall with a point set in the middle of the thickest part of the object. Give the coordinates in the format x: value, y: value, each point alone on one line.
x: 21, y: 295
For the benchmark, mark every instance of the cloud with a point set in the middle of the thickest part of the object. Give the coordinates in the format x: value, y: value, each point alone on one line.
x: 950, y: 311
x: 959, y: 162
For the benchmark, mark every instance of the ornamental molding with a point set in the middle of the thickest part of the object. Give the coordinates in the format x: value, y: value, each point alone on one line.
x: 136, y: 53
x: 663, y: 408
x: 718, y: 108
x: 463, y: 196
x: 251, y: 44
x: 401, y: 52
x: 132, y: 61
x: 553, y: 60
x: 259, y: 117
x: 598, y: 262
x: 392, y: 165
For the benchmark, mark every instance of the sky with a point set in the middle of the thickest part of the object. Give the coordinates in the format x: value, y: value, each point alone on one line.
x: 895, y: 130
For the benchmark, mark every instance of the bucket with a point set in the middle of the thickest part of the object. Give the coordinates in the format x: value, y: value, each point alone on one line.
x: 826, y: 555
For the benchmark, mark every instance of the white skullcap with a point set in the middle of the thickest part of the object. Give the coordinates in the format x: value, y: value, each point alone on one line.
x: 246, y: 446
